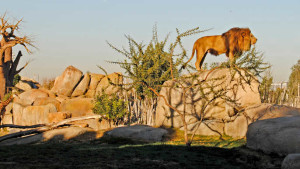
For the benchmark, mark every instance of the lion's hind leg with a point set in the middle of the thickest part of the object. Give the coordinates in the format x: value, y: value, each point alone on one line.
x: 200, y: 59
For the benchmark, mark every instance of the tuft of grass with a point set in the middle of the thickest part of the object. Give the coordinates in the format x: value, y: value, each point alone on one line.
x: 176, y: 137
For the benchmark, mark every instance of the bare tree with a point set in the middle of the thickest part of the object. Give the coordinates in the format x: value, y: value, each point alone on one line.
x: 8, y: 66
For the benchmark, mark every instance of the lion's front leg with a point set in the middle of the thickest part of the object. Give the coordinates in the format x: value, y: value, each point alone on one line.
x: 231, y: 59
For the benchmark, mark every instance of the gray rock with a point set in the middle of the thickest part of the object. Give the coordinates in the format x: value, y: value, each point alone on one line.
x: 277, y: 135
x: 139, y: 132
x: 292, y: 161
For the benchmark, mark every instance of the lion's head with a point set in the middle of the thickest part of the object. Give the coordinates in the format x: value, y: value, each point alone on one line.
x: 238, y: 40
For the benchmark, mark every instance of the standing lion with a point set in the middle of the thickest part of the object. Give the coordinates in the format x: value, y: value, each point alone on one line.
x: 232, y: 42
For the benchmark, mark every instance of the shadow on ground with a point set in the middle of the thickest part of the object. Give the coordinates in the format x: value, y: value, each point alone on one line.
x: 156, y: 155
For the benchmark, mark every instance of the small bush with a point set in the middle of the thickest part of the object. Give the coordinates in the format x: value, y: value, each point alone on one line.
x: 111, y: 106
x: 16, y: 80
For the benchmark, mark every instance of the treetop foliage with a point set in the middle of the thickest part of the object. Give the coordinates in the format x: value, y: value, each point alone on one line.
x: 150, y: 65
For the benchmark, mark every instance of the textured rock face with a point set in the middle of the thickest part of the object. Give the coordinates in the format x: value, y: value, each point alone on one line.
x: 77, y: 106
x: 292, y: 161
x: 139, y: 132
x: 218, y: 110
x: 28, y: 97
x: 95, y: 79
x: 32, y: 115
x: 116, y: 78
x: 47, y: 100
x: 268, y: 111
x: 278, y: 135
x: 55, y: 117
x: 82, y: 86
x: 65, y: 84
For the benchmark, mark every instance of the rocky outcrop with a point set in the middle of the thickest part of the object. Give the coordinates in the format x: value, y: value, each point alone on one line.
x: 32, y: 115
x: 82, y: 86
x: 55, y: 117
x: 106, y: 86
x: 65, y: 84
x: 28, y: 97
x: 278, y: 135
x: 218, y: 109
x: 139, y: 132
x: 47, y: 100
x: 77, y: 106
x: 95, y: 79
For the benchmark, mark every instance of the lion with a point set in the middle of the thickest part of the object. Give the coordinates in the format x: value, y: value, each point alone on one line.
x: 233, y: 43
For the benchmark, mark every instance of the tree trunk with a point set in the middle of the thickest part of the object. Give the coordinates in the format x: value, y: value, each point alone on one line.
x: 2, y: 78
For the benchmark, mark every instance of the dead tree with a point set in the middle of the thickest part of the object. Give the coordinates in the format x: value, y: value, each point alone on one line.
x: 8, y: 66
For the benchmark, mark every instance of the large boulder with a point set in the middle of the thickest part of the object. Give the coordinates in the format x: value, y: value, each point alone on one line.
x: 292, y: 161
x: 82, y: 86
x: 28, y: 97
x: 109, y: 88
x: 65, y: 84
x: 95, y: 79
x: 77, y: 106
x: 226, y: 83
x: 47, y: 100
x: 32, y: 115
x: 278, y: 135
x: 268, y: 111
x: 139, y: 132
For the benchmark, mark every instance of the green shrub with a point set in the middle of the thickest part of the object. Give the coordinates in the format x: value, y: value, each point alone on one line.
x: 111, y: 106
x: 16, y: 80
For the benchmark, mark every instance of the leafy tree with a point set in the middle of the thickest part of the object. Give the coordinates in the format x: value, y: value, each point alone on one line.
x: 150, y: 65
x: 265, y: 86
x: 294, y: 81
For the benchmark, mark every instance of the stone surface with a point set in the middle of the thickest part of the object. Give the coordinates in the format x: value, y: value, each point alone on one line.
x: 82, y: 86
x: 47, y: 100
x: 50, y: 93
x: 55, y: 117
x: 28, y: 97
x: 17, y: 113
x: 26, y: 85
x: 291, y: 161
x: 95, y: 79
x: 77, y: 106
x: 267, y: 111
x: 7, y: 119
x: 219, y: 109
x: 139, y: 132
x: 278, y: 135
x: 115, y: 78
x: 56, y: 135
x: 32, y: 115
x: 237, y: 128
x: 65, y: 84
x: 207, y: 128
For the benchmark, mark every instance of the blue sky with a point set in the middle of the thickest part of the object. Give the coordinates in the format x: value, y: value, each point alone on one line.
x: 73, y: 32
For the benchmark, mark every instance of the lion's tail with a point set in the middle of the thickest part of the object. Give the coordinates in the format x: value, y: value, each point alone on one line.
x: 185, y: 64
